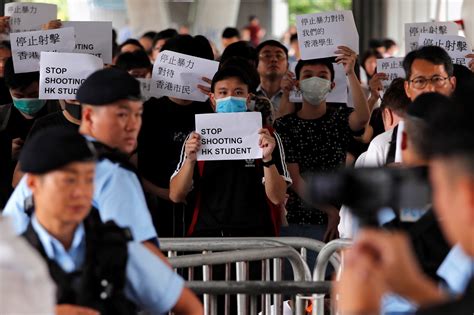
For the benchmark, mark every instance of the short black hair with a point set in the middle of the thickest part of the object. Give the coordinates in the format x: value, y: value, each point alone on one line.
x: 375, y: 43
x: 131, y: 41
x: 241, y: 49
x: 133, y: 60
x: 150, y: 35
x: 372, y: 52
x: 246, y: 66
x: 18, y: 80
x: 5, y: 44
x: 388, y: 43
x: 433, y: 54
x: 230, y: 72
x: 293, y: 37
x: 418, y: 118
x: 273, y: 43
x: 230, y: 32
x: 252, y: 17
x: 319, y: 61
x: 164, y: 34
x: 395, y: 97
x: 197, y: 46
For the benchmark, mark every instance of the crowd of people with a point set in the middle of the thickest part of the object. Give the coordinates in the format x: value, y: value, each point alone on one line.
x: 91, y: 182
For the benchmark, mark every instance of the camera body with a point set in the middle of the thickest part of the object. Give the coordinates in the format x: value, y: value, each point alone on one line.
x: 367, y: 190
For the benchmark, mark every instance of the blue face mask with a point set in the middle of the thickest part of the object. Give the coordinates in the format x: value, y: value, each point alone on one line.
x: 231, y: 104
x: 28, y: 106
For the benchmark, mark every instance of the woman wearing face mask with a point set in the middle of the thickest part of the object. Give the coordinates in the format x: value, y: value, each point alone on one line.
x: 316, y: 139
x: 17, y: 118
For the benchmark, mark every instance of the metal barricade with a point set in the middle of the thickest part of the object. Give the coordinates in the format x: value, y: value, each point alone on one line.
x: 320, y: 269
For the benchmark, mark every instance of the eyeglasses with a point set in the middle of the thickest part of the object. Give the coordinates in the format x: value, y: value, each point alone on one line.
x: 269, y: 56
x: 436, y: 81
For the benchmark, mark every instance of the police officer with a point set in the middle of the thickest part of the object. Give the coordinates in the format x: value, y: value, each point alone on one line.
x: 96, y: 268
x: 111, y: 119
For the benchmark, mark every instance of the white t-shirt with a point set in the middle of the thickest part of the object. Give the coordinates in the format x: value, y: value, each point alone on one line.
x: 376, y: 155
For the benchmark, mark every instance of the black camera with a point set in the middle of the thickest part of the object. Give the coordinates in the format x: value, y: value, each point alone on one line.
x: 367, y: 190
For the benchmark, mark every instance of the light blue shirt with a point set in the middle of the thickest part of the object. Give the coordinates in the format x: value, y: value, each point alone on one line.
x: 456, y: 270
x: 118, y: 196
x: 151, y: 284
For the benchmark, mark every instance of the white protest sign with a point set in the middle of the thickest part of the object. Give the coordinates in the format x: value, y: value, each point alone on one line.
x: 177, y: 75
x: 61, y: 74
x: 337, y: 95
x: 456, y: 46
x: 414, y: 30
x: 319, y: 34
x: 93, y: 38
x: 392, y: 67
x: 229, y: 136
x: 27, y: 46
x: 147, y: 88
x: 27, y: 16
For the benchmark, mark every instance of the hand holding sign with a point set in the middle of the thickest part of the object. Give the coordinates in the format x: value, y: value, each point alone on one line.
x: 51, y: 25
x: 267, y: 143
x: 288, y: 82
x: 470, y: 65
x: 192, y: 147
x: 375, y: 84
x: 347, y: 57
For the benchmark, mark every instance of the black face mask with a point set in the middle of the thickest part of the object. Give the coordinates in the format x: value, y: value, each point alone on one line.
x: 74, y: 110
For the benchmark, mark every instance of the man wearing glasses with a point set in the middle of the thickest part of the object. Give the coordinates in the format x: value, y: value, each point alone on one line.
x: 272, y: 66
x: 428, y: 69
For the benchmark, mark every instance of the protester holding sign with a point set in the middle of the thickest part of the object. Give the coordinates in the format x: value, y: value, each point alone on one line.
x: 166, y: 123
x: 231, y: 200
x: 316, y: 139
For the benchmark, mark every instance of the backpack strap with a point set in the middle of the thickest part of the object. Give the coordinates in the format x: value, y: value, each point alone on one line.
x: 393, y: 147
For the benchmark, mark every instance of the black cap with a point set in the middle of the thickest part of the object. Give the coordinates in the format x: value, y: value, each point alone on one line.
x: 426, y: 104
x: 54, y: 147
x: 107, y: 86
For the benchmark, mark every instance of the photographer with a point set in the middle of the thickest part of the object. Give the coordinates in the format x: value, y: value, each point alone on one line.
x: 379, y: 258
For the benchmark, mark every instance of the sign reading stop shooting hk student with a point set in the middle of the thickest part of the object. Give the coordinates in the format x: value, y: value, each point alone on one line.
x: 456, y: 46
x: 229, y: 136
x: 319, y: 34
x: 178, y: 75
x: 28, y: 16
x: 61, y: 74
x: 27, y: 46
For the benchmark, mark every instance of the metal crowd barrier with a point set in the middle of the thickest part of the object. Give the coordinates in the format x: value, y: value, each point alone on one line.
x: 243, y: 250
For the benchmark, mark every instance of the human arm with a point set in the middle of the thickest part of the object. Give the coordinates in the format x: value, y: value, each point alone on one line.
x: 287, y: 83
x: 182, y: 180
x: 4, y: 24
x: 51, y: 25
x: 69, y: 309
x: 361, y: 114
x: 471, y: 62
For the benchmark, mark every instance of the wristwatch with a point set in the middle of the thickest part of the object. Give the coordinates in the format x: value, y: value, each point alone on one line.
x: 269, y: 163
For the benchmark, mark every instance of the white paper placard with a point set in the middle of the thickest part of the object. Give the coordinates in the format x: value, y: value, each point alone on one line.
x: 177, y: 75
x: 414, y: 30
x: 337, y: 95
x: 456, y: 46
x: 392, y: 67
x: 147, y: 88
x: 61, y: 74
x: 398, y: 150
x: 29, y: 16
x: 229, y: 136
x: 93, y: 38
x: 27, y: 46
x: 319, y: 34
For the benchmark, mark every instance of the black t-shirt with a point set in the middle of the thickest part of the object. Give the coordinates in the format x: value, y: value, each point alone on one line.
x: 461, y: 306
x: 165, y: 126
x: 50, y: 120
x: 316, y: 145
x: 231, y: 194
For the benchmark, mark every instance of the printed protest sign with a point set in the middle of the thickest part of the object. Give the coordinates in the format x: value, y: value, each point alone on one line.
x: 414, y: 30
x: 229, y: 136
x: 27, y: 46
x: 456, y: 46
x: 319, y: 34
x: 392, y: 67
x: 93, y: 38
x: 148, y: 88
x: 337, y: 95
x: 28, y: 16
x: 177, y: 75
x: 61, y: 74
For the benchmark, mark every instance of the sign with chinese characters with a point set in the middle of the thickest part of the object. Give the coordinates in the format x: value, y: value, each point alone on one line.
x: 178, y: 75
x: 456, y: 46
x: 27, y: 16
x: 414, y: 30
x: 147, y: 88
x: 27, y: 46
x: 392, y: 67
x: 229, y: 136
x: 93, y: 38
x: 319, y: 34
x: 337, y: 95
x: 61, y: 74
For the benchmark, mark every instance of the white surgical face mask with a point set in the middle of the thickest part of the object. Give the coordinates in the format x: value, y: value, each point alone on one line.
x: 315, y: 89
